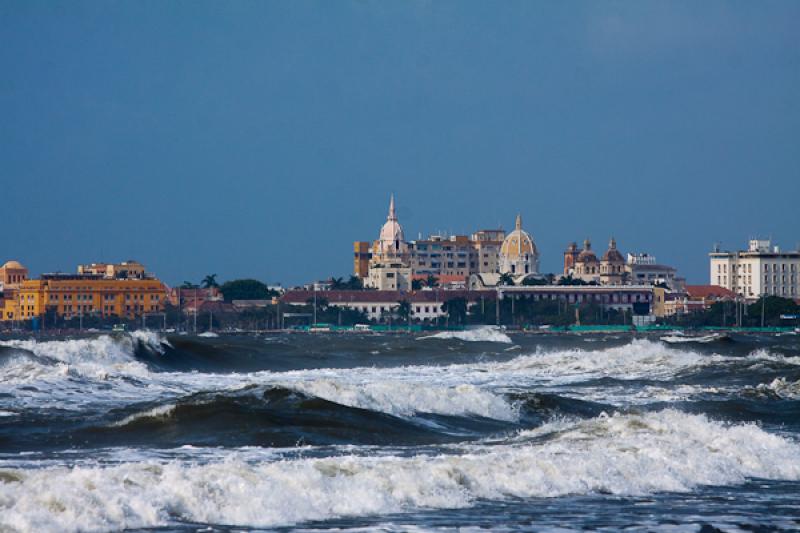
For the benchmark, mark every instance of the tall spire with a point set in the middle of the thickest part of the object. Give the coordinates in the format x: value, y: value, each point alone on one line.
x: 612, y: 243
x: 518, y: 224
x: 392, y: 214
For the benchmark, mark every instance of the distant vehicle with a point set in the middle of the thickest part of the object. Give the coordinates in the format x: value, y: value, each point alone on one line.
x: 119, y: 328
x: 361, y: 327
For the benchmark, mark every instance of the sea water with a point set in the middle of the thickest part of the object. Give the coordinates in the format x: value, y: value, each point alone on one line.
x: 466, y: 431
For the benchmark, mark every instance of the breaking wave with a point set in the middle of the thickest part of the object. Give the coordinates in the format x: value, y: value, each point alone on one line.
x: 622, y: 454
x: 480, y: 334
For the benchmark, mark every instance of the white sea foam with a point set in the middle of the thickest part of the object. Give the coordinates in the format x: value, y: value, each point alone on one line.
x: 479, y: 334
x: 85, y: 366
x: 161, y: 411
x: 789, y: 390
x: 404, y: 399
x: 620, y: 454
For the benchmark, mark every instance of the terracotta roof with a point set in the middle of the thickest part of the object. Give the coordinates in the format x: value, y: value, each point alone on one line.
x: 448, y: 278
x: 709, y: 291
x: 332, y: 297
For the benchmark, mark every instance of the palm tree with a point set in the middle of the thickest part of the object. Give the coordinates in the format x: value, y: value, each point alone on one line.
x: 337, y: 284
x: 355, y: 283
x: 505, y: 279
x: 431, y: 281
x: 404, y: 310
x: 456, y: 309
x: 188, y: 285
x: 416, y: 284
x: 209, y: 281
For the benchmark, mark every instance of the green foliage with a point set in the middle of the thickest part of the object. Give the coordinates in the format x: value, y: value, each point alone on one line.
x: 532, y: 282
x: 416, y: 284
x: 246, y: 289
x: 403, y: 310
x: 354, y: 283
x: 456, y: 309
x: 723, y: 314
x: 569, y: 280
x: 506, y: 279
x: 210, y: 281
x: 431, y: 281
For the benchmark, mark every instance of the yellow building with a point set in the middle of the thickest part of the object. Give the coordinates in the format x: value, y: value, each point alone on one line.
x: 72, y: 295
x: 362, y: 254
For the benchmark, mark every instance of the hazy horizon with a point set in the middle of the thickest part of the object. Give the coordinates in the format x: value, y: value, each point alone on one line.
x: 262, y: 139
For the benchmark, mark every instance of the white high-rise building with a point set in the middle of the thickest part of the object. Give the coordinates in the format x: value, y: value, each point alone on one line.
x: 763, y: 269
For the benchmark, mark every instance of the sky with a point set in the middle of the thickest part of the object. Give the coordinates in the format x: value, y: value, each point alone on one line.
x: 260, y: 139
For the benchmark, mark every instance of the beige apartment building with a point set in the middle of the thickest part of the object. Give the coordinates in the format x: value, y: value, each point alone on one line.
x: 762, y: 269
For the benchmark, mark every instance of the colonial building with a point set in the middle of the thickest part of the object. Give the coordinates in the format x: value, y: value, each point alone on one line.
x: 612, y: 265
x: 586, y: 265
x: 644, y: 269
x: 762, y: 269
x: 125, y: 270
x: 12, y: 273
x: 390, y: 263
x: 72, y: 295
x: 614, y: 269
x: 518, y: 254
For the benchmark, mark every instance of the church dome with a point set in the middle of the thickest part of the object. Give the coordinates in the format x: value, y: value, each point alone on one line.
x: 587, y: 255
x: 613, y: 255
x: 518, y: 243
x: 392, y: 231
x: 13, y: 265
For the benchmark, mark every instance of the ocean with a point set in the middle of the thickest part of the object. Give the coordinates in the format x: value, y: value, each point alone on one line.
x: 457, y: 431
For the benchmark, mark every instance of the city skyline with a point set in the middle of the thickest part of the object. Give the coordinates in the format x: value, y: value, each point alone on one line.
x: 261, y: 144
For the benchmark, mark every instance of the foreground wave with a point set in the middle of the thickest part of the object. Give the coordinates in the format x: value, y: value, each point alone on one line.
x: 619, y: 454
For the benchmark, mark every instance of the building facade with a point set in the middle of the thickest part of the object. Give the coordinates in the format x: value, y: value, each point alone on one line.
x: 762, y: 269
x: 614, y: 269
x: 105, y: 294
x: 391, y: 262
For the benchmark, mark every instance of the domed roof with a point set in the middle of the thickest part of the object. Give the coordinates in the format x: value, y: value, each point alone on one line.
x: 518, y: 243
x: 613, y: 255
x: 587, y: 255
x: 392, y: 230
x: 13, y: 264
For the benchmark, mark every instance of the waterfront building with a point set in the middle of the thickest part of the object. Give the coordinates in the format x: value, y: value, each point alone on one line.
x: 125, y: 270
x: 12, y: 273
x: 518, y: 254
x: 361, y: 257
x: 614, y: 269
x: 644, y: 269
x: 385, y: 263
x: 390, y: 263
x: 189, y: 299
x: 428, y: 305
x: 381, y: 306
x: 73, y: 295
x: 693, y: 298
x: 636, y: 299
x: 762, y: 269
x: 612, y: 265
x: 586, y: 265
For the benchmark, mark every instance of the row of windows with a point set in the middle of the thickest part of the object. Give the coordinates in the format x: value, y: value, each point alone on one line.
x: 774, y: 267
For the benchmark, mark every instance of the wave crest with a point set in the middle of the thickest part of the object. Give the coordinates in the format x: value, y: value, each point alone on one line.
x: 619, y: 454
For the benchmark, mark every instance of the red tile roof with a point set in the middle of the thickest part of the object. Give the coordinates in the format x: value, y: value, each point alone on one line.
x: 332, y: 297
x: 443, y: 278
x: 709, y: 292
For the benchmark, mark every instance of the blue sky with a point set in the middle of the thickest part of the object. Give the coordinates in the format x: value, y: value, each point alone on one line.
x: 260, y: 139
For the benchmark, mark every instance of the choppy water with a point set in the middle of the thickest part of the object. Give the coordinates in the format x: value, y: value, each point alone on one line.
x: 397, y: 433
